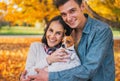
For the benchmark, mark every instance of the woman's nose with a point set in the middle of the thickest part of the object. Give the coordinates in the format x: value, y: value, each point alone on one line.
x: 52, y: 35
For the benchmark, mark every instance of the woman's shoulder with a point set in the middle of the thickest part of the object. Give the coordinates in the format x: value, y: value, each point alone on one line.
x: 37, y: 45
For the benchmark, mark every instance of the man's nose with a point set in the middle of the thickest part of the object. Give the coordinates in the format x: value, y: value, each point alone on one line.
x: 68, y: 17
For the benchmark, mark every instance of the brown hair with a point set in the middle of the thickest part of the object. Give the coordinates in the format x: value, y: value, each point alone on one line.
x: 56, y: 18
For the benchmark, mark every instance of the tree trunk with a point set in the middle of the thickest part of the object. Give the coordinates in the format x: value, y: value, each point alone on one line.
x: 97, y: 16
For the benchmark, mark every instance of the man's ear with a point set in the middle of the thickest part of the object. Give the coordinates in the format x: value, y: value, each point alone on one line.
x: 82, y: 6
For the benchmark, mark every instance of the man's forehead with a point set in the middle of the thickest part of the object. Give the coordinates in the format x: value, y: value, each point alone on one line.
x: 67, y: 6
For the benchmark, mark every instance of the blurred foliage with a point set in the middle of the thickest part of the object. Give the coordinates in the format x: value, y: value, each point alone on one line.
x: 109, y: 9
x: 28, y: 11
x: 32, y: 11
x: 13, y: 53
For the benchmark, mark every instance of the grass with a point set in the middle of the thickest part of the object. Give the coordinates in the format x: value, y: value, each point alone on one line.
x: 20, y: 30
x: 116, y: 31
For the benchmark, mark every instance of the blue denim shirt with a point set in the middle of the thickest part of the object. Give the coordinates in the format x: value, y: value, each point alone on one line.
x: 96, y: 54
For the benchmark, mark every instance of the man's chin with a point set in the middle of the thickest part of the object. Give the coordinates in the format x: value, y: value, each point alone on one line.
x: 73, y: 27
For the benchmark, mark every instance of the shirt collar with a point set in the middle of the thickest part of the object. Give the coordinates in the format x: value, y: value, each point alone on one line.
x: 88, y: 24
x: 49, y: 50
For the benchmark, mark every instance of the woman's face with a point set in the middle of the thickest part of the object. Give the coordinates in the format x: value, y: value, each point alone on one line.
x: 54, y: 34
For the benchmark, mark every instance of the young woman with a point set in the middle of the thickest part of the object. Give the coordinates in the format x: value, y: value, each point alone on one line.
x: 43, y: 55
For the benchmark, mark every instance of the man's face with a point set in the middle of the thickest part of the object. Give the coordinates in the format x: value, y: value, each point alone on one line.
x: 72, y: 13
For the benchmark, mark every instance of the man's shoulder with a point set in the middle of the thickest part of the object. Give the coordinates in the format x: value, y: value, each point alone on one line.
x: 93, y: 23
x: 99, y: 25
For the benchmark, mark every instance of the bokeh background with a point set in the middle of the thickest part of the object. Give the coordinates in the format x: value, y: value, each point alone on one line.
x: 23, y: 21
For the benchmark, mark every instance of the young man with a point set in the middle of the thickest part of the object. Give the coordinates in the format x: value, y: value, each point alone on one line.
x: 94, y: 46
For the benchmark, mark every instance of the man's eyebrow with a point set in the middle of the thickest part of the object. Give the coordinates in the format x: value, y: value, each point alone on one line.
x: 73, y: 9
x: 62, y: 13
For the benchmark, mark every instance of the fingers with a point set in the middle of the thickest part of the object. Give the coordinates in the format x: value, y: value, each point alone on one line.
x: 63, y: 58
x: 59, y: 55
x: 32, y: 77
x: 41, y: 76
x: 62, y: 50
x: 24, y: 72
x: 22, y: 76
x: 45, y: 69
x: 63, y: 55
x: 37, y: 70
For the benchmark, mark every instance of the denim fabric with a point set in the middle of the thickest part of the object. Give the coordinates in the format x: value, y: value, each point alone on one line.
x: 95, y: 51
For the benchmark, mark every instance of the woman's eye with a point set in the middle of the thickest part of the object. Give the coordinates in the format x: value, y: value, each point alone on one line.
x: 58, y: 33
x: 50, y: 30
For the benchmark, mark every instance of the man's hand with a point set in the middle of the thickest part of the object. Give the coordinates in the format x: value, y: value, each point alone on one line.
x: 41, y: 76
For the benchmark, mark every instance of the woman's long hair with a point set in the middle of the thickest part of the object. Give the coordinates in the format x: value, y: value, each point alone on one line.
x: 56, y: 18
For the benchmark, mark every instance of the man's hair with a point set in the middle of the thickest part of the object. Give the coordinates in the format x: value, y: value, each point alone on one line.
x: 58, y: 3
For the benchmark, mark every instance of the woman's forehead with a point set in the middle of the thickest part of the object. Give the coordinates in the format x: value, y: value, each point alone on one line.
x: 56, y: 25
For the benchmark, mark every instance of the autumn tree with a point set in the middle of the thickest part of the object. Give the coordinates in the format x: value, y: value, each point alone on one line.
x: 105, y: 10
x: 3, y: 8
x: 30, y: 11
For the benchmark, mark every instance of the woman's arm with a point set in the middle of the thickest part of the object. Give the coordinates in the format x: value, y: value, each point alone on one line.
x: 60, y: 55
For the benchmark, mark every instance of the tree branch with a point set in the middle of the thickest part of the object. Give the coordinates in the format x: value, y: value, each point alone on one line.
x: 97, y: 16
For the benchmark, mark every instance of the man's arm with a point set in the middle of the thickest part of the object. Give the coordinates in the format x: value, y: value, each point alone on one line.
x: 93, y: 59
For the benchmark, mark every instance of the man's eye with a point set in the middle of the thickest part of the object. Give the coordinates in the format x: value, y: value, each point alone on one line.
x: 63, y: 15
x: 72, y: 11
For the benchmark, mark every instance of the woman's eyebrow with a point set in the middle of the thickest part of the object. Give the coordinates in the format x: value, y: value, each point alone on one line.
x: 60, y: 31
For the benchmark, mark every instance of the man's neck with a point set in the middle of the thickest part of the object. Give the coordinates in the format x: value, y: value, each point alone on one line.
x: 77, y: 32
x: 81, y: 25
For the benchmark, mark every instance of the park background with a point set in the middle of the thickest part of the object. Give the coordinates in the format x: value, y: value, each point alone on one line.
x: 23, y: 21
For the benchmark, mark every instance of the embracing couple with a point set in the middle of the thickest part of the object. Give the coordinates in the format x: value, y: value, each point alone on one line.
x: 94, y: 57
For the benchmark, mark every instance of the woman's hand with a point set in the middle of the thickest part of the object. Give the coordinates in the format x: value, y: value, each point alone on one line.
x: 41, y: 75
x: 22, y: 76
x: 60, y: 55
